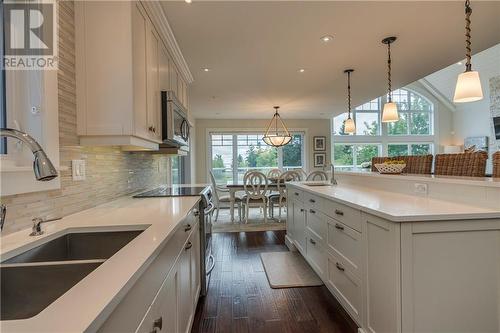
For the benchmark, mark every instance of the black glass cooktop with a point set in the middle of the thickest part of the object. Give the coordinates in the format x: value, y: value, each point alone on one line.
x: 172, y: 191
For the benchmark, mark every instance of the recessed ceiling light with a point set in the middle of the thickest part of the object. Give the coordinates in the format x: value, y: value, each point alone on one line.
x: 188, y: 1
x: 326, y: 39
x: 206, y: 69
x: 302, y: 70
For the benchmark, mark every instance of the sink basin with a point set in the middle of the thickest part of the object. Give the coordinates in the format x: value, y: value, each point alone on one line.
x: 27, y: 290
x: 317, y: 184
x: 77, y: 246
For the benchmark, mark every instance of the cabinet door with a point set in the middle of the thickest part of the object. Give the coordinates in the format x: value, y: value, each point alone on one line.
x: 164, y: 69
x: 173, y: 77
x: 139, y: 33
x: 153, y: 80
x: 184, y: 288
x: 290, y: 220
x: 195, y: 267
x: 299, y: 219
x: 168, y: 304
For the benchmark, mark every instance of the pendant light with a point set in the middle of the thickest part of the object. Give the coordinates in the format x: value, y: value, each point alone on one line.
x: 349, y: 124
x: 390, y: 111
x: 277, y: 137
x: 468, y: 88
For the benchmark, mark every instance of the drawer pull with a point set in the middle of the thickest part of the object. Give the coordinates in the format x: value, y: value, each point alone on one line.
x: 339, y: 212
x: 196, y: 212
x: 339, y: 267
x: 313, y: 242
x: 188, y: 246
x: 158, y: 323
x: 188, y: 227
x: 302, y: 209
x: 312, y: 200
x: 296, y: 193
x: 338, y: 226
x: 312, y: 211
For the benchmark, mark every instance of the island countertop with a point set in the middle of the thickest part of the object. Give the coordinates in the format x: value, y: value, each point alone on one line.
x: 92, y: 299
x: 397, y: 207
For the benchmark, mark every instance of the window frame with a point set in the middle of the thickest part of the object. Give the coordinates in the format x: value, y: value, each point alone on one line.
x: 354, y: 152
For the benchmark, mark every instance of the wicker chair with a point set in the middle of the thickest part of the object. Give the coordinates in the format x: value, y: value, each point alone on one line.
x: 464, y: 164
x: 421, y: 164
x: 496, y: 164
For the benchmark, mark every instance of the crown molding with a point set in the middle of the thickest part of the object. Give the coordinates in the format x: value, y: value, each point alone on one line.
x: 157, y: 15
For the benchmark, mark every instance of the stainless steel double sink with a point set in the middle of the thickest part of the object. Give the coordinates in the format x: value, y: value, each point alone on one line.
x: 35, y: 278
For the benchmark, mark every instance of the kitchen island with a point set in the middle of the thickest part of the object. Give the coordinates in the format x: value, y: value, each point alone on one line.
x: 153, y: 280
x: 402, y: 261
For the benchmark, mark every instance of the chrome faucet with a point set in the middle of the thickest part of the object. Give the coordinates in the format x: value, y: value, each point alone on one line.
x: 42, y: 167
x: 333, y: 181
x: 36, y: 230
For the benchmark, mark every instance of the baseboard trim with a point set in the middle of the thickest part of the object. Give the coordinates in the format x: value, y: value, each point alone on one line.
x: 289, y: 244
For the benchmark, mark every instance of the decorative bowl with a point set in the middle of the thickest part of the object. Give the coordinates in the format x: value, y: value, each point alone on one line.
x: 390, y: 168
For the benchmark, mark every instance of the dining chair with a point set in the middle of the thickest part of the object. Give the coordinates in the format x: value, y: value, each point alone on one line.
x: 274, y: 173
x: 280, y: 197
x: 301, y: 172
x: 496, y: 164
x: 255, y: 186
x: 415, y: 164
x: 472, y: 164
x: 221, y: 199
x: 317, y: 175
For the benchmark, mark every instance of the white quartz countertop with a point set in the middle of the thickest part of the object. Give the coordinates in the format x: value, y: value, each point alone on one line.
x: 85, y: 306
x: 398, y: 207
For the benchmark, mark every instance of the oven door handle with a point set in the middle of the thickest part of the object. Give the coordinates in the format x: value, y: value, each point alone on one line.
x: 209, y: 210
x: 212, y: 266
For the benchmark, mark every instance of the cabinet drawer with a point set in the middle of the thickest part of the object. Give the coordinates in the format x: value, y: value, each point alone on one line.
x: 344, y: 214
x: 345, y: 286
x: 316, y: 254
x: 312, y: 201
x: 345, y: 242
x: 295, y: 194
x: 316, y: 223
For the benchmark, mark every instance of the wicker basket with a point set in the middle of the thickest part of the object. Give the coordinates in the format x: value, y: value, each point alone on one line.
x: 496, y: 164
x: 393, y: 169
x: 421, y: 164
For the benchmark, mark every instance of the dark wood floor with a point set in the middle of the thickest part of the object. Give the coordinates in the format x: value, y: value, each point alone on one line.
x: 240, y: 298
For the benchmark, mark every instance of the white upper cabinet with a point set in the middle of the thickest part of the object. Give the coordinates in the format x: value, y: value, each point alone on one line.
x: 123, y: 65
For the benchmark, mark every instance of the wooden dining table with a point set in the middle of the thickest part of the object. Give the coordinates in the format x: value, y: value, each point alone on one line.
x: 234, y: 187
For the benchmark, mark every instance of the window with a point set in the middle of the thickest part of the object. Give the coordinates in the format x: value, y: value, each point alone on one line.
x: 3, y: 113
x: 234, y: 154
x: 178, y: 175
x: 405, y: 149
x: 353, y: 155
x: 415, y: 114
x: 366, y: 117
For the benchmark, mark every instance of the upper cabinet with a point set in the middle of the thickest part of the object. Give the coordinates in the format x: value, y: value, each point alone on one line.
x: 123, y: 64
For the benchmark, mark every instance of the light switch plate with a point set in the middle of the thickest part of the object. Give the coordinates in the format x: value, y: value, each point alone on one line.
x: 78, y: 170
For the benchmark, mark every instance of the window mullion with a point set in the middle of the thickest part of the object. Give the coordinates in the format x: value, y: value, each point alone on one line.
x: 235, y: 158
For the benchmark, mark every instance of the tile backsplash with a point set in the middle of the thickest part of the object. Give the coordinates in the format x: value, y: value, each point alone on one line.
x: 109, y: 171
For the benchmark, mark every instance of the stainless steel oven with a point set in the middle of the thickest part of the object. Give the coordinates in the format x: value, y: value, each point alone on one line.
x: 206, y: 207
x: 175, y: 125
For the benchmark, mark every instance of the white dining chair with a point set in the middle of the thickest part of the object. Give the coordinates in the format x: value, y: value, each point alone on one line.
x: 222, y: 198
x: 274, y: 173
x: 302, y: 173
x: 280, y: 197
x: 317, y: 176
x: 255, y: 186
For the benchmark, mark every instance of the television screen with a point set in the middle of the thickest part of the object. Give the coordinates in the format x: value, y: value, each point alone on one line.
x: 496, y: 124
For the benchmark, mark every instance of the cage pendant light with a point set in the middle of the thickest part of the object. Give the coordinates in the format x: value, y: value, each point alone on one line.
x: 349, y: 124
x: 279, y: 135
x: 468, y: 88
x: 390, y: 111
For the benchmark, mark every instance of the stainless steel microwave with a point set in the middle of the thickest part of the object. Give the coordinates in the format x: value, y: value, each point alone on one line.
x: 175, y: 126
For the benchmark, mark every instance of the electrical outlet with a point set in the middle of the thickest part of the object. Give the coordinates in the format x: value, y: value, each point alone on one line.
x: 420, y: 188
x: 78, y: 170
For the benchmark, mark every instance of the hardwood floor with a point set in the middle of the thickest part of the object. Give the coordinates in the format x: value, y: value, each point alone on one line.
x: 240, y: 298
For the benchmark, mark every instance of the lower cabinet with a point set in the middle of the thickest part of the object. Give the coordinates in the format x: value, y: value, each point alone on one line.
x: 170, y: 306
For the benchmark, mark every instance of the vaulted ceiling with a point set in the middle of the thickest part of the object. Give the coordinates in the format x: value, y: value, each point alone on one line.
x: 254, y: 50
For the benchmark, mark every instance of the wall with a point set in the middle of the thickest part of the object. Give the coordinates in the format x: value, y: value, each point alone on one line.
x: 110, y: 172
x: 313, y: 127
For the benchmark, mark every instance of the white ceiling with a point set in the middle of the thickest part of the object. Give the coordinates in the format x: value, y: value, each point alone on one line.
x: 254, y: 51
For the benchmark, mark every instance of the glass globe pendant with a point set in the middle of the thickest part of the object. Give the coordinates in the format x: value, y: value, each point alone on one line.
x: 390, y: 111
x: 349, y: 124
x: 468, y: 88
x: 277, y: 137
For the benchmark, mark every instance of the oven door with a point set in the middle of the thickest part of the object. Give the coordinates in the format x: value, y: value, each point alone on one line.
x: 207, y: 253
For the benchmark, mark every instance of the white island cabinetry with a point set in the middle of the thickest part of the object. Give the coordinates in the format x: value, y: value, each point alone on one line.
x: 397, y: 275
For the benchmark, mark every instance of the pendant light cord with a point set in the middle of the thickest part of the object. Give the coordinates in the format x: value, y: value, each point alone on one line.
x: 468, y: 12
x: 389, y: 89
x: 276, y: 115
x: 349, y: 94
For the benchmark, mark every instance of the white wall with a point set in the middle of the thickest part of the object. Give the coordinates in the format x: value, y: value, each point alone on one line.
x: 312, y: 127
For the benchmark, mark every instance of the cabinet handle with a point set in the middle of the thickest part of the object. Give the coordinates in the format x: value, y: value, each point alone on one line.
x: 302, y: 209
x: 313, y: 242
x: 188, y: 246
x: 188, y: 227
x: 154, y: 129
x: 339, y: 267
x: 338, y: 226
x: 339, y: 212
x: 296, y: 194
x: 312, y: 200
x: 158, y: 323
x: 312, y: 211
x: 151, y: 128
x: 196, y: 212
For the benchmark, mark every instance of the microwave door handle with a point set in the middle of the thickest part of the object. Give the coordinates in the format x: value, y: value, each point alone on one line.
x: 184, y: 130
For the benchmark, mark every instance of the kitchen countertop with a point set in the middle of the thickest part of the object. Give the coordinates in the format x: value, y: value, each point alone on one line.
x: 85, y: 306
x: 398, y: 207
